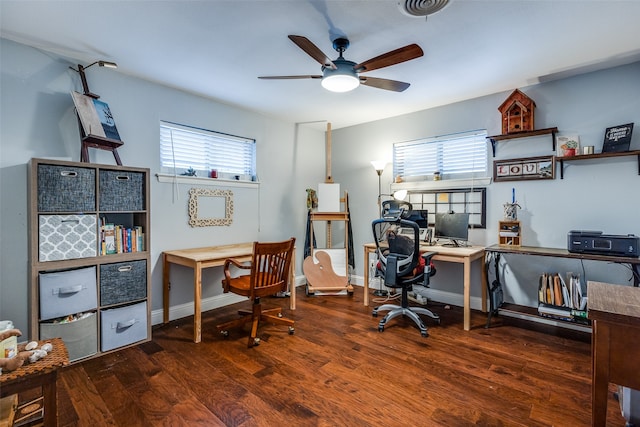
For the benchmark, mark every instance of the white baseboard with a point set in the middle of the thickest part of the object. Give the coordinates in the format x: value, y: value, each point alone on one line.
x: 222, y: 300
x: 184, y: 310
x: 437, y: 295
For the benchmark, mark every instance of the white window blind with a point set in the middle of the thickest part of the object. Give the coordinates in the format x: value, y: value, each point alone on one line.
x: 462, y: 155
x: 183, y: 147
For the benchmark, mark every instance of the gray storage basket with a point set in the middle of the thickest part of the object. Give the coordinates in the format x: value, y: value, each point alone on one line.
x: 123, y: 282
x: 121, y: 191
x: 66, y: 189
x: 80, y: 336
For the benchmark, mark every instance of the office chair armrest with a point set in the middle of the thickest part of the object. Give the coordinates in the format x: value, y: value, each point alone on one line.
x: 427, y: 256
x: 236, y: 263
x: 227, y: 271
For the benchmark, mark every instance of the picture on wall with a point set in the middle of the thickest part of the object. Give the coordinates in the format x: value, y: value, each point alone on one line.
x: 527, y: 168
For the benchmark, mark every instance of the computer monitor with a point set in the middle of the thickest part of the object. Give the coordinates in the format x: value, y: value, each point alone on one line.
x: 420, y: 217
x: 452, y: 226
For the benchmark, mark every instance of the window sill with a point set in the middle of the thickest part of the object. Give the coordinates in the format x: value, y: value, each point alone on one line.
x: 214, y: 182
x: 442, y: 184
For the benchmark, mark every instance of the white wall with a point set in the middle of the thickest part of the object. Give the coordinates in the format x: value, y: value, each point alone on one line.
x: 594, y: 195
x: 37, y: 120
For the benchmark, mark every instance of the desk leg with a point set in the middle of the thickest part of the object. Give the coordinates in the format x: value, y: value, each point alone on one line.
x: 366, y: 277
x: 292, y: 282
x: 197, y: 310
x: 483, y: 284
x: 599, y: 373
x: 166, y: 287
x: 467, y: 294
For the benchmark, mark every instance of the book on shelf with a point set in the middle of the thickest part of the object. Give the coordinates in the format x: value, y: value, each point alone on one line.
x: 117, y: 239
x: 109, y: 239
x: 558, y: 300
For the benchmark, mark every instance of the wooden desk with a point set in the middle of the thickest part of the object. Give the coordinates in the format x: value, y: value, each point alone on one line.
x: 461, y: 255
x: 615, y: 343
x: 43, y: 373
x: 634, y: 262
x: 199, y: 259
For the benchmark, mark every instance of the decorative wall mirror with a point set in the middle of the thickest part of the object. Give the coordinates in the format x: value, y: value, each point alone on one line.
x: 210, y: 207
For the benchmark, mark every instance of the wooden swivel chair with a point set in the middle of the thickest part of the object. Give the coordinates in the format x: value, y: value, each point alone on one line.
x: 270, y: 269
x: 399, y: 264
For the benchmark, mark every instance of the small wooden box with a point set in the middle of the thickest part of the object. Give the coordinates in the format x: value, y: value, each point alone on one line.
x: 509, y: 233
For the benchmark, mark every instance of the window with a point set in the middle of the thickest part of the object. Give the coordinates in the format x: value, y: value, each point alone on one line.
x: 466, y: 200
x: 456, y: 156
x: 184, y: 147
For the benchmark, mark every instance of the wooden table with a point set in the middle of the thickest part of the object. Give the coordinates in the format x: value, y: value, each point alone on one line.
x: 615, y: 343
x: 43, y: 373
x: 457, y: 254
x: 199, y: 259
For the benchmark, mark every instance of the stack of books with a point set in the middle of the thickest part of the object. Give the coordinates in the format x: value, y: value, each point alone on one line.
x: 117, y: 239
x: 560, y: 301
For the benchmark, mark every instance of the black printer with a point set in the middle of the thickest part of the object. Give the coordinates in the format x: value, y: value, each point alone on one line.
x: 594, y: 242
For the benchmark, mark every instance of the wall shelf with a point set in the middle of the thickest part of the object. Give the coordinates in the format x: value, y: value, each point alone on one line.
x: 548, y: 131
x: 561, y: 160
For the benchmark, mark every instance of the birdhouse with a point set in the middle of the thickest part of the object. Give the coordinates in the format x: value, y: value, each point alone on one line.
x: 517, y: 113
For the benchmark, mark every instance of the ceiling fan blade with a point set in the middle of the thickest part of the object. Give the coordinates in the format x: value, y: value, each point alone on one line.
x: 397, y: 56
x: 386, y: 84
x: 312, y: 50
x: 309, y: 76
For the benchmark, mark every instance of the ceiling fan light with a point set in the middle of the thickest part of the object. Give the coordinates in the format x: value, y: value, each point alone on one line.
x: 340, y: 82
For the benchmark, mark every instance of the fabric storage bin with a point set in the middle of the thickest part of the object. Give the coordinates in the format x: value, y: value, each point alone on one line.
x: 67, y: 237
x: 123, y: 282
x: 80, y: 336
x: 123, y: 325
x: 121, y: 191
x: 67, y: 292
x: 66, y: 189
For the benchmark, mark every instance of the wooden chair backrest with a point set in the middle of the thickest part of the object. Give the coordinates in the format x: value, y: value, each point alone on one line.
x: 270, y: 267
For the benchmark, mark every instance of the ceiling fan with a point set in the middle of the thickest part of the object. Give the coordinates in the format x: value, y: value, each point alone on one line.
x: 342, y: 75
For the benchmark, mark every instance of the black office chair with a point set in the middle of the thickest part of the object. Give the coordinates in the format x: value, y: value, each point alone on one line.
x: 401, y: 265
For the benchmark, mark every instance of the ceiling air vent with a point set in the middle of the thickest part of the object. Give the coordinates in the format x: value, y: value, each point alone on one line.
x: 419, y: 8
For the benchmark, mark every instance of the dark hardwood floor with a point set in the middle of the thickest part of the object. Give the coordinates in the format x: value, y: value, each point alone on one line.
x: 337, y: 370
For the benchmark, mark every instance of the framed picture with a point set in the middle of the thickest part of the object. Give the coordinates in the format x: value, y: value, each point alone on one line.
x: 617, y: 138
x: 527, y: 168
x: 568, y: 145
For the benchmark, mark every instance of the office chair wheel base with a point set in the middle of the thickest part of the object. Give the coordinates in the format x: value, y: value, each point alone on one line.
x: 380, y: 328
x: 374, y: 313
x: 224, y: 334
x: 291, y: 330
x: 424, y: 334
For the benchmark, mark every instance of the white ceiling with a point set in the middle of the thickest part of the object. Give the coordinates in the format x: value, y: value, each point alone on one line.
x: 217, y: 48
